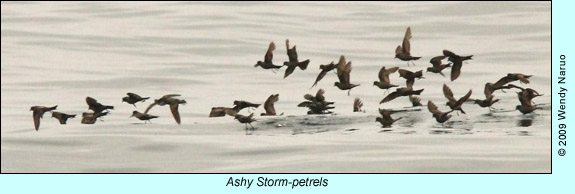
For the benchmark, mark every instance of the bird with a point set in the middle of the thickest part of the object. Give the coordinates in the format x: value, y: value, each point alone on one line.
x: 91, y: 118
x: 142, y: 116
x: 439, y: 116
x: 62, y: 117
x: 133, y: 99
x: 173, y: 102
x: 38, y: 113
x: 267, y: 63
x: 247, y: 120
x: 452, y: 102
x: 437, y: 66
x: 526, y: 96
x: 94, y: 105
x: 293, y: 61
x: 488, y: 101
x: 269, y: 105
x: 317, y: 104
x: 357, y: 104
x: 404, y: 91
x: 385, y: 119
x: 457, y: 63
x: 403, y: 52
x: 223, y: 111
x: 328, y: 68
x: 510, y: 77
x: 383, y: 75
x: 410, y: 76
x: 415, y: 101
x: 343, y: 72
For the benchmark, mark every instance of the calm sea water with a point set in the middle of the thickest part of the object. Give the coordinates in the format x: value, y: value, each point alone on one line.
x: 61, y: 52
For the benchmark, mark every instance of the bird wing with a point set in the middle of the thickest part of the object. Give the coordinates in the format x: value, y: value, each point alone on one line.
x: 292, y: 54
x: 390, y: 97
x: 357, y: 104
x: 305, y: 104
x: 269, y: 104
x: 523, y: 78
x: 406, y: 46
x: 150, y: 107
x: 319, y: 96
x: 456, y: 69
x: 170, y: 96
x: 415, y: 101
x: 91, y: 101
x: 343, y: 73
x: 449, y: 54
x: 463, y: 99
x: 269, y: 54
x: 341, y: 61
x: 289, y: 70
x: 404, y: 73
x: 433, y: 108
x: 309, y: 97
x: 36, y: 115
x: 436, y: 61
x: 448, y: 93
x: 319, y: 77
x: 488, y: 92
x: 175, y: 112
x: 398, y: 50
x: 133, y: 96
x: 501, y: 82
x: 384, y: 74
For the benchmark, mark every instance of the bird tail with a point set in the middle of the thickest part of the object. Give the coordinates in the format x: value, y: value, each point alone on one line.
x: 415, y: 58
x: 303, y: 65
x: 144, y: 99
x: 464, y: 58
x: 109, y: 107
x: 287, y: 44
x: 52, y: 108
x: 418, y: 92
x: 71, y: 116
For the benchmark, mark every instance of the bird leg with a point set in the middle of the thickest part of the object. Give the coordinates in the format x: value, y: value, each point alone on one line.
x: 348, y: 92
x: 134, y: 105
x: 273, y: 70
x: 413, y: 63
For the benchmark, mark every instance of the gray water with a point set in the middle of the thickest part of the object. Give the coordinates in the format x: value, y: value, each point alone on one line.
x: 61, y: 52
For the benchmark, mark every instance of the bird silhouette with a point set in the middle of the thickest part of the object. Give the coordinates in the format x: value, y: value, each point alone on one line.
x: 457, y: 63
x: 62, y: 117
x: 267, y: 63
x: 38, y: 113
x: 343, y: 72
x: 169, y: 100
x: 293, y: 61
x: 403, y: 52
x: 133, y: 98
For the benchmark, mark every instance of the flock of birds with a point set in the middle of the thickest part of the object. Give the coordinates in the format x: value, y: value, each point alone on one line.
x: 317, y: 104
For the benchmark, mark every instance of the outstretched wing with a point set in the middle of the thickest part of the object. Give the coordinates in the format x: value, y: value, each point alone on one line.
x: 456, y: 69
x: 175, y: 112
x: 319, y: 96
x: 501, y: 82
x: 289, y: 70
x: 292, y: 53
x: 91, y: 101
x: 406, y: 45
x: 150, y: 107
x: 343, y: 73
x: 415, y: 101
x: 170, y: 96
x: 398, y: 50
x: 36, y: 116
x: 448, y: 93
x: 319, y: 77
x: 384, y: 74
x: 269, y: 104
x: 463, y: 99
x: 433, y: 108
x: 357, y: 104
x: 390, y: 97
x: 269, y: 54
x: 449, y: 54
x: 436, y: 61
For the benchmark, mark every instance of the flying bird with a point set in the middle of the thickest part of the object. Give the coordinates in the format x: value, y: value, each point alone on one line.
x: 452, y: 102
x: 457, y: 63
x: 343, y: 72
x: 439, y: 116
x: 403, y: 52
x: 415, y: 101
x: 488, y: 101
x: 94, y: 105
x: 91, y: 118
x: 384, y: 81
x: 142, y: 116
x: 404, y: 91
x: 410, y: 76
x: 328, y: 68
x: 267, y: 63
x: 169, y: 100
x: 62, y: 118
x: 293, y: 61
x: 510, y: 77
x: 385, y: 119
x: 38, y: 113
x: 133, y: 99
x: 247, y: 120
x: 269, y: 105
x: 437, y: 65
x: 357, y: 104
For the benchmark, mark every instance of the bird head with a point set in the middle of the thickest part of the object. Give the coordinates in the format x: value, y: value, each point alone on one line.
x: 125, y: 99
x: 337, y: 84
x: 375, y: 83
x: 429, y: 69
x: 258, y: 64
x: 134, y: 114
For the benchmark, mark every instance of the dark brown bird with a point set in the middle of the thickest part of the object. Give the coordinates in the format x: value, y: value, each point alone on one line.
x: 510, y: 77
x: 316, y: 104
x: 452, y: 102
x: 144, y: 117
x: 343, y: 72
x: 403, y: 52
x: 415, y: 101
x: 94, y: 105
x: 268, y: 64
x: 38, y: 113
x: 404, y: 91
x: 247, y: 120
x: 328, y: 68
x: 293, y: 61
x: 439, y: 116
x: 437, y: 66
x: 173, y: 102
x: 269, y: 105
x: 91, y: 118
x: 410, y: 76
x: 457, y: 63
x: 133, y: 99
x: 488, y: 101
x: 357, y: 104
x: 385, y: 119
x: 62, y: 117
x: 526, y: 96
x: 384, y: 81
x: 223, y: 111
